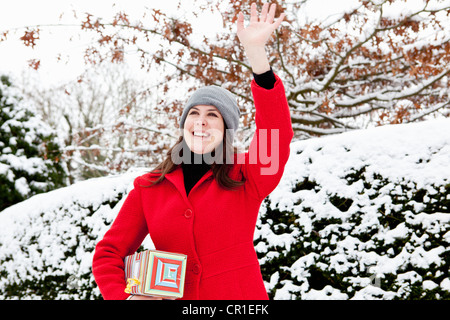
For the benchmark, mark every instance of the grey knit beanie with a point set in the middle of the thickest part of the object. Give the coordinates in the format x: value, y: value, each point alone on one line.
x: 218, y: 97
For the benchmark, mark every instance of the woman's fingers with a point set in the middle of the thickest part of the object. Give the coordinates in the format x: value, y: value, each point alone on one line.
x: 253, y: 13
x: 267, y: 17
x: 240, y: 22
x: 264, y: 10
x: 267, y: 14
x: 271, y: 15
x: 279, y: 21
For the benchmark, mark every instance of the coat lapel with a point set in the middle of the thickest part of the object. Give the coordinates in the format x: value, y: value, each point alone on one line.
x: 199, y: 182
x: 177, y: 179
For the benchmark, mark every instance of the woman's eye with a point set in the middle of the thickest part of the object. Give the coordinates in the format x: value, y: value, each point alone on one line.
x: 212, y: 114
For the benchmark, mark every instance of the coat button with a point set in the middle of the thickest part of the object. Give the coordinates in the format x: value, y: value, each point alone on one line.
x: 188, y: 213
x: 196, y: 268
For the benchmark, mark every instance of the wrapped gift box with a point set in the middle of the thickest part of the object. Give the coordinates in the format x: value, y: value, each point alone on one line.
x: 155, y: 273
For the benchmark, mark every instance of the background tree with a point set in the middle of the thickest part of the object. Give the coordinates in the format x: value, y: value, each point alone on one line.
x: 375, y: 62
x: 108, y: 119
x: 30, y: 157
x: 378, y: 62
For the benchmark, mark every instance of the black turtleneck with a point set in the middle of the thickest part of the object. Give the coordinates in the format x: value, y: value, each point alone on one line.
x: 194, y: 171
x: 266, y: 80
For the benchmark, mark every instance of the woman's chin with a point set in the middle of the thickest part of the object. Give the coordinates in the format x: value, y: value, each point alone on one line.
x: 202, y: 149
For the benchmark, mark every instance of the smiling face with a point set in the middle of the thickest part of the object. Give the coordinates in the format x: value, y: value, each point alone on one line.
x: 203, y: 129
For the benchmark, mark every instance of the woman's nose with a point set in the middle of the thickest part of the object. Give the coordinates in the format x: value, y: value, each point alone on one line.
x: 201, y: 121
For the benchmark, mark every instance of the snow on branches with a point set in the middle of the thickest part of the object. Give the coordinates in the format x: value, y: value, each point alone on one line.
x: 367, y: 63
x: 371, y: 63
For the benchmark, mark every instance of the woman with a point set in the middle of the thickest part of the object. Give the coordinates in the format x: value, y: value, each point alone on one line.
x: 205, y: 210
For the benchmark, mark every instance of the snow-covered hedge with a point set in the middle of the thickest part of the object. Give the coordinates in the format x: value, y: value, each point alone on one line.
x: 47, y: 242
x: 360, y: 215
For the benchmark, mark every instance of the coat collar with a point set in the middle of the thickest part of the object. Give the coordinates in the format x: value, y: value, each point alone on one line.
x: 177, y: 179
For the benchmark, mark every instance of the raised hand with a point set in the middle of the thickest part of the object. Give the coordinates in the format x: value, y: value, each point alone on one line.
x: 254, y: 37
x: 260, y: 29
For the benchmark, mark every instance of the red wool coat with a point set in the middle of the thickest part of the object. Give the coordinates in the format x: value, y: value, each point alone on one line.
x: 212, y: 226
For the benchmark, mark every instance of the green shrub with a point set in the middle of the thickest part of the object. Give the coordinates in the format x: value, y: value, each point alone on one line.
x: 30, y: 155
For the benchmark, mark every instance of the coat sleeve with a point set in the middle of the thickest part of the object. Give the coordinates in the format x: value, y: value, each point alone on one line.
x: 123, y: 238
x: 270, y: 147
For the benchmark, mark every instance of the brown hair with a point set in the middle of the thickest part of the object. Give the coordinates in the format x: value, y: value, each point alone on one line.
x: 220, y: 170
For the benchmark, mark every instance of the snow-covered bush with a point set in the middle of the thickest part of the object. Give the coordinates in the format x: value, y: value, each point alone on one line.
x: 360, y: 215
x: 30, y: 155
x: 47, y: 242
